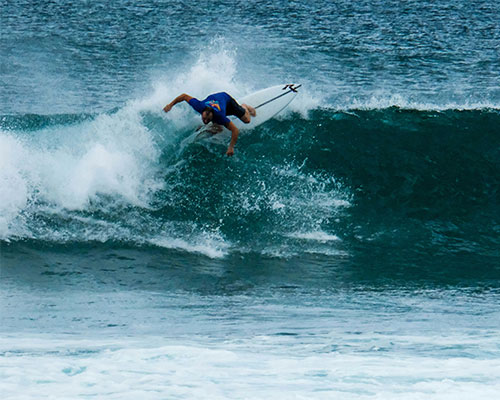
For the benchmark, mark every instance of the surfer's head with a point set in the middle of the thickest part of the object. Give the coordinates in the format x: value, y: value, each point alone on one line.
x: 207, y: 114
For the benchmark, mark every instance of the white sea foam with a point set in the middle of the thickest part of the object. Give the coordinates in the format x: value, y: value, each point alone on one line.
x: 381, y: 100
x: 210, y: 244
x: 216, y: 69
x: 14, y: 188
x: 263, y: 367
x: 68, y: 167
x: 319, y: 236
x: 305, y: 101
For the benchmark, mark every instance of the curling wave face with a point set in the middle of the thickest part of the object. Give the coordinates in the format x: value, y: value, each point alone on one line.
x: 298, y: 184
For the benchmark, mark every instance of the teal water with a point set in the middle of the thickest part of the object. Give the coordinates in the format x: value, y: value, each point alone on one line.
x: 350, y: 248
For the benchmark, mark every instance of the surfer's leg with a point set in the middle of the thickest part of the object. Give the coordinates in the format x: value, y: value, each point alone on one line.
x: 249, y: 112
x: 243, y: 112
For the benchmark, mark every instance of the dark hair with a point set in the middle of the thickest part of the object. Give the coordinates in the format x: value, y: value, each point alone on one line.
x: 208, y: 109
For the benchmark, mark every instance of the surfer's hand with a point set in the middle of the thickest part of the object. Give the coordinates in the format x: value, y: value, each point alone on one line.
x: 167, y: 108
x: 230, y: 151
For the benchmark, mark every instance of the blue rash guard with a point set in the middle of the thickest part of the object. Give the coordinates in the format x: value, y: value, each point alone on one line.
x: 218, y: 102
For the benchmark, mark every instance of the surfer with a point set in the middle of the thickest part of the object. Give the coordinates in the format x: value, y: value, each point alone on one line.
x: 215, y: 108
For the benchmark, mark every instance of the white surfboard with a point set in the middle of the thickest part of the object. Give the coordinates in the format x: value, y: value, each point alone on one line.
x: 267, y: 103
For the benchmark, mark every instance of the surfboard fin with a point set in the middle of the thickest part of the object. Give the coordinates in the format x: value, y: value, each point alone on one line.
x: 292, y: 87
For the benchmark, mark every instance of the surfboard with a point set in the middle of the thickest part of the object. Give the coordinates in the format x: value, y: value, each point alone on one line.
x: 267, y: 103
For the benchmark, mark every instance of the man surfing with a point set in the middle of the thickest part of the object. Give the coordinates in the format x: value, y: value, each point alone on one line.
x: 215, y: 108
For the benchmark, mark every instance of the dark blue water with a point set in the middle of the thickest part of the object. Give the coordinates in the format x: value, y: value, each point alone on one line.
x: 349, y: 249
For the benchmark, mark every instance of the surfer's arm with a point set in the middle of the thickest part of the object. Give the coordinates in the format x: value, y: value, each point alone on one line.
x: 234, y: 137
x: 178, y: 99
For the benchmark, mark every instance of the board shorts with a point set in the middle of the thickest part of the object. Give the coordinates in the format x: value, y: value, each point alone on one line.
x: 233, y: 108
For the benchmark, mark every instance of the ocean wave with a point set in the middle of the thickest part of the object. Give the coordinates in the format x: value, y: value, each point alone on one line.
x: 297, y: 183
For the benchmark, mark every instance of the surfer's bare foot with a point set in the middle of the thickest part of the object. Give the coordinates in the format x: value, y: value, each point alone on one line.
x: 250, y: 109
x: 249, y: 112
